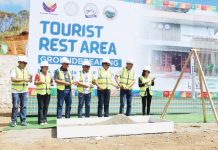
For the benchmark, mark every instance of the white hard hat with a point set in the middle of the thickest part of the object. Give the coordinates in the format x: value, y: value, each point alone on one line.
x: 86, y: 63
x: 22, y: 59
x: 129, y: 61
x: 147, y: 68
x: 44, y: 64
x: 65, y: 60
x: 106, y: 60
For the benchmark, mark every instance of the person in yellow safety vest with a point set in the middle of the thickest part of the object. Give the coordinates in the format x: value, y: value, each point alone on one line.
x: 43, y: 82
x: 64, y: 80
x: 145, y: 84
x: 104, y: 83
x: 20, y: 78
x: 126, y: 79
x: 84, y: 86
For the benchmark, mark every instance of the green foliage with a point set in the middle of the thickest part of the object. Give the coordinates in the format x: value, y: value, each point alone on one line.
x: 18, y: 24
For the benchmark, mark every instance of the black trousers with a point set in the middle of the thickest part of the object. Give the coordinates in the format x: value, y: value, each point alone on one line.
x: 43, y: 103
x: 103, y: 100
x: 146, y: 101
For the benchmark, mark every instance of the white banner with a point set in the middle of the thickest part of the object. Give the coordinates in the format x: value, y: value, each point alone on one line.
x: 84, y: 29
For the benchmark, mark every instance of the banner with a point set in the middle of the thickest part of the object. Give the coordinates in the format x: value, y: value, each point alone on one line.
x: 92, y: 30
x: 81, y: 30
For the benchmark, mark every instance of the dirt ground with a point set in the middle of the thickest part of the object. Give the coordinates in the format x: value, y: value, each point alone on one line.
x: 185, y: 137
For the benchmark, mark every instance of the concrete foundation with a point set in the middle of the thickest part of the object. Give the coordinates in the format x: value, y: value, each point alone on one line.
x: 91, y: 127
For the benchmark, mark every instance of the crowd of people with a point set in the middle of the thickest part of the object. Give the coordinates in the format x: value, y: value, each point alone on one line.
x: 85, y: 82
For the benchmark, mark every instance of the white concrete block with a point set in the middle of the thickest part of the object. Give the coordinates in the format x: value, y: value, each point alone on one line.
x: 85, y: 127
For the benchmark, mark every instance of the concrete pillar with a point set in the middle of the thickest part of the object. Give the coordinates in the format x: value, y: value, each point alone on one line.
x: 6, y: 64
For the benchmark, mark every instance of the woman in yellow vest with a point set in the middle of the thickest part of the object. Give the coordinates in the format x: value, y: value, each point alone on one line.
x: 43, y: 82
x: 145, y: 84
x: 84, y: 87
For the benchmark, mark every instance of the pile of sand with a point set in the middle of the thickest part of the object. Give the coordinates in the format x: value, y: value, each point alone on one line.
x: 118, y: 119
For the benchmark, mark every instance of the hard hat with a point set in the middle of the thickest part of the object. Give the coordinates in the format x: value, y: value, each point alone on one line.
x: 22, y: 59
x: 65, y: 60
x: 44, y: 64
x: 147, y: 68
x: 86, y: 63
x: 129, y: 61
x: 106, y: 60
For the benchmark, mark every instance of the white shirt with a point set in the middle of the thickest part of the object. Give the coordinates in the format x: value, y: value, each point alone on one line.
x: 86, y: 81
x: 14, y: 75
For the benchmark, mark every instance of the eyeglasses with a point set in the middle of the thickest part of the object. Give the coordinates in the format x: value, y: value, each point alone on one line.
x: 23, y: 62
x: 87, y: 66
x: 106, y: 64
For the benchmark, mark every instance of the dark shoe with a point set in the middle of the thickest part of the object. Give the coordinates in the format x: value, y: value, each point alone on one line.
x: 13, y: 124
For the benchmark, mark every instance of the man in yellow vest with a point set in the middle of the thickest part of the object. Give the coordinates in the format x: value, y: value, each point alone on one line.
x: 43, y: 82
x: 20, y: 78
x: 64, y: 80
x: 126, y: 79
x: 84, y: 87
x: 104, y: 83
x: 145, y: 84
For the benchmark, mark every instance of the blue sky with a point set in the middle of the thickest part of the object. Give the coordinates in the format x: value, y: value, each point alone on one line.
x: 14, y: 6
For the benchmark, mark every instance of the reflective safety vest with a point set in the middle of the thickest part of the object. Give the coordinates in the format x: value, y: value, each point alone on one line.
x: 62, y: 78
x: 104, y: 78
x: 21, y: 74
x: 90, y: 78
x: 143, y: 91
x: 127, y: 78
x: 44, y: 89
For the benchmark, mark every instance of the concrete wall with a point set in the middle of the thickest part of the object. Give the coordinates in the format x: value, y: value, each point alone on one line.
x: 6, y: 64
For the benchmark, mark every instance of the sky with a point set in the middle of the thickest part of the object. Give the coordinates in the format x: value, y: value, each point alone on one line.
x: 14, y: 6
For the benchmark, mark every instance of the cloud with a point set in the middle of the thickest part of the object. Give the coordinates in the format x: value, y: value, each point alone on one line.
x: 24, y: 4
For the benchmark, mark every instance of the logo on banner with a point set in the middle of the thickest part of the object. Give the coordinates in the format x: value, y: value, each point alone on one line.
x: 91, y: 10
x: 49, y: 6
x: 71, y: 8
x: 110, y: 12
